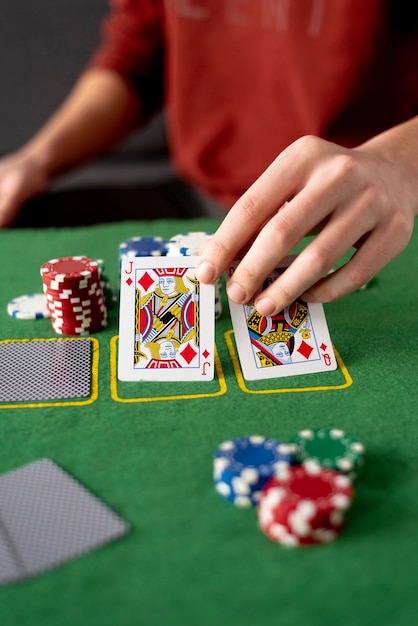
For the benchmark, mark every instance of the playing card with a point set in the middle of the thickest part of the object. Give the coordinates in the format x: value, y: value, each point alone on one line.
x: 166, y: 321
x: 48, y: 518
x: 294, y: 341
x: 45, y: 369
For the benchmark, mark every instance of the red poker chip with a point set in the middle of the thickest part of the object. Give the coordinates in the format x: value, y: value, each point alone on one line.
x: 304, y: 505
x: 69, y: 291
x: 69, y: 268
x: 74, y: 333
x: 69, y: 288
x: 96, y: 308
x: 85, y: 320
x: 59, y: 281
x: 69, y: 329
x: 84, y: 301
x: 78, y: 329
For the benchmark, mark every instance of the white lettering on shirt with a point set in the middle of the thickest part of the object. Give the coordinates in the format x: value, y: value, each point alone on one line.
x: 236, y: 12
x: 193, y: 9
x: 272, y: 14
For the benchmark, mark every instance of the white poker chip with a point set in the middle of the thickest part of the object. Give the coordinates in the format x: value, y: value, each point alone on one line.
x: 187, y: 244
x: 31, y: 306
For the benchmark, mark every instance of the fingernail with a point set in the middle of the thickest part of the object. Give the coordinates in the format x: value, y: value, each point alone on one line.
x: 205, y: 272
x: 265, y: 306
x: 236, y: 293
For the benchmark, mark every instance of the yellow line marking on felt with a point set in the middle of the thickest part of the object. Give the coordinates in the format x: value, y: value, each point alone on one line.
x: 94, y: 375
x: 241, y: 383
x: 114, y: 382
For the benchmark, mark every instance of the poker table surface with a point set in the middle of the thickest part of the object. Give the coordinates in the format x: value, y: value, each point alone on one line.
x: 146, y: 450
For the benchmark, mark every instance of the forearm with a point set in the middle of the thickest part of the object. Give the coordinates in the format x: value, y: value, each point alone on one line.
x: 101, y: 110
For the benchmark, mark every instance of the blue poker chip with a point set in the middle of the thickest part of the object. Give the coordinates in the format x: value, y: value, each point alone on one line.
x: 31, y: 306
x: 241, y: 467
x: 143, y: 246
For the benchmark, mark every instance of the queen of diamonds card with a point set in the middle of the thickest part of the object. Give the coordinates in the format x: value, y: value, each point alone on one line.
x: 294, y: 341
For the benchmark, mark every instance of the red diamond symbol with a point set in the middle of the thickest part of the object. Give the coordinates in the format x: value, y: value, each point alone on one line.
x: 188, y: 353
x: 145, y: 281
x: 205, y: 354
x: 305, y: 349
x: 129, y: 282
x: 323, y: 347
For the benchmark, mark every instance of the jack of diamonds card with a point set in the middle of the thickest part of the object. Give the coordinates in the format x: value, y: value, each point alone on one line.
x: 166, y: 321
x: 294, y: 341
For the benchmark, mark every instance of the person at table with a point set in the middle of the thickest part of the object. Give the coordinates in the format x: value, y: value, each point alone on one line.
x: 296, y: 117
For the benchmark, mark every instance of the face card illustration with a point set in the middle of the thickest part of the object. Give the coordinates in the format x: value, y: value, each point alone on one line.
x: 294, y: 341
x: 166, y: 321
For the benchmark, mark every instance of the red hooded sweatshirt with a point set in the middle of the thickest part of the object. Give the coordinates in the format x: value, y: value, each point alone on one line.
x: 241, y: 79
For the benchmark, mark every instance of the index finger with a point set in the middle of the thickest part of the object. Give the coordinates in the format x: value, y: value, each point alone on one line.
x: 243, y: 221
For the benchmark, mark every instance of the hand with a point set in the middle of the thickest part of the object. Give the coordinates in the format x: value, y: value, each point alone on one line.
x: 354, y: 198
x: 20, y: 180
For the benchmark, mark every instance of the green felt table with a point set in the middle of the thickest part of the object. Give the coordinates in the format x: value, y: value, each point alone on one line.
x: 145, y: 449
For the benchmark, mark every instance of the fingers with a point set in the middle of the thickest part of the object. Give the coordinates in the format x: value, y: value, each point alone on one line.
x: 310, y: 266
x: 343, y: 222
x: 20, y: 180
x: 9, y: 210
x: 375, y: 252
x: 293, y: 197
x: 343, y: 196
x: 280, y: 181
x: 274, y: 241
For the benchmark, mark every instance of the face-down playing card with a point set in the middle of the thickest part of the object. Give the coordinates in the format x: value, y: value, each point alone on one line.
x: 45, y: 369
x: 294, y: 341
x: 48, y: 518
x: 166, y: 321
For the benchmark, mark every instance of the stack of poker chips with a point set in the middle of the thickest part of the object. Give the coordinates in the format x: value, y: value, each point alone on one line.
x: 332, y: 448
x: 188, y: 244
x: 304, y: 505
x: 301, y: 490
x: 74, y: 295
x: 241, y: 467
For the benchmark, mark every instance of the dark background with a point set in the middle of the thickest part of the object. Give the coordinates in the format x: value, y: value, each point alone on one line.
x: 44, y: 45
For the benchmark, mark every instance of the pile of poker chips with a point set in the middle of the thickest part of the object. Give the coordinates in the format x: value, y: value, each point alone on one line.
x: 74, y: 295
x: 301, y: 489
x: 182, y: 244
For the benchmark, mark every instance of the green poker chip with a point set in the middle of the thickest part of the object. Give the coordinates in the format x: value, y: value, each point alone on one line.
x: 331, y: 448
